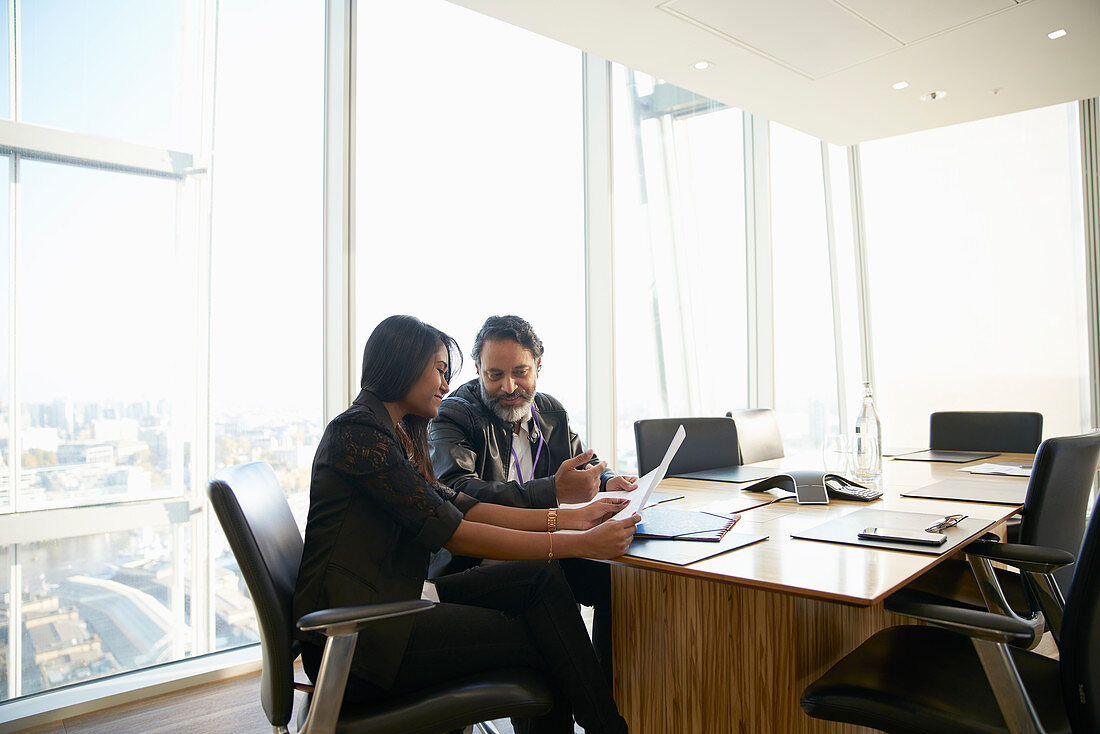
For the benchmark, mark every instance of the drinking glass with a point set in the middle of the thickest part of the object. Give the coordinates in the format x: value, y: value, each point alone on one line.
x: 865, y: 458
x: 834, y: 453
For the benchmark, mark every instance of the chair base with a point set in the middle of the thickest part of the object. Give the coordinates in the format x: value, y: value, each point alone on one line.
x: 923, y: 680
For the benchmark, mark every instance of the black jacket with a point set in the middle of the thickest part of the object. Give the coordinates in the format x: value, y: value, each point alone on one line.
x: 373, y: 522
x: 470, y: 447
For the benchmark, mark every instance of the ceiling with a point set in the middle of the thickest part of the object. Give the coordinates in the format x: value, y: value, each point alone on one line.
x: 826, y: 66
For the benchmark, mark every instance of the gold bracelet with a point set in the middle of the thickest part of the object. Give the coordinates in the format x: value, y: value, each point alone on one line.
x: 550, y: 553
x: 552, y: 521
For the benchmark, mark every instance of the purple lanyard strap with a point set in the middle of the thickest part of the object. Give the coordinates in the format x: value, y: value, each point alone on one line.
x: 538, y: 451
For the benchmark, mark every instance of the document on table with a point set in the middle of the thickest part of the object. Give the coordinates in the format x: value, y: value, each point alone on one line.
x: 1006, y: 468
x: 654, y: 499
x: 649, y: 482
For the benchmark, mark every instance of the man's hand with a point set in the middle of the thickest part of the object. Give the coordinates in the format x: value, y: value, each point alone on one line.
x: 622, y: 482
x: 578, y: 485
x: 610, y: 539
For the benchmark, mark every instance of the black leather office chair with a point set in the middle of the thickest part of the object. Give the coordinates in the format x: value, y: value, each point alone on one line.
x: 960, y: 675
x: 1053, y: 515
x: 709, y: 443
x: 758, y: 437
x: 265, y: 540
x: 1001, y: 431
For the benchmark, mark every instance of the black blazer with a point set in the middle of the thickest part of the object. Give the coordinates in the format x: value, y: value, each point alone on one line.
x: 471, y: 448
x: 373, y: 522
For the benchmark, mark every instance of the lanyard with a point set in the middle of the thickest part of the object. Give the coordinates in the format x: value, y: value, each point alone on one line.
x: 538, y: 451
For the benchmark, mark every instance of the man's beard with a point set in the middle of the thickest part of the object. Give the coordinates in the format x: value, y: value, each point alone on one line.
x: 508, y: 413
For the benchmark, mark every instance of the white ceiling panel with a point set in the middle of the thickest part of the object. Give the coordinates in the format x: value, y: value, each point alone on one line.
x: 811, y: 37
x: 911, y: 20
x: 1000, y: 61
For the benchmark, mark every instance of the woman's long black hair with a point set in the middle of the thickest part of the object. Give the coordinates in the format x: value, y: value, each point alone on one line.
x: 396, y: 355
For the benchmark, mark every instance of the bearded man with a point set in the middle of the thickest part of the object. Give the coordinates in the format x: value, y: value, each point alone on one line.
x: 499, y: 440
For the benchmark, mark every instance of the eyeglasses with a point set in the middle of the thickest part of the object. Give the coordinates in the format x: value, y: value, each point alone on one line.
x: 949, y: 521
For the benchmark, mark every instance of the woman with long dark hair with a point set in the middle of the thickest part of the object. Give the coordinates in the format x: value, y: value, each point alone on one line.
x: 377, y: 512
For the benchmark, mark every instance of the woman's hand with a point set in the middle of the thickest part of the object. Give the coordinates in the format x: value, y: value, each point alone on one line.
x: 610, y: 539
x: 591, y: 515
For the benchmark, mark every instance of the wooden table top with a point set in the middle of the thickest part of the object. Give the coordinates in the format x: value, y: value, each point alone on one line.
x: 819, y: 570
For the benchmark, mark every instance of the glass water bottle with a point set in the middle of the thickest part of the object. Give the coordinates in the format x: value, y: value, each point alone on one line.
x: 867, y: 439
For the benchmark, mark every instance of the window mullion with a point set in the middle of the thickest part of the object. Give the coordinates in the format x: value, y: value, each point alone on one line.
x: 859, y: 234
x: 758, y: 251
x: 601, y: 425
x: 834, y: 291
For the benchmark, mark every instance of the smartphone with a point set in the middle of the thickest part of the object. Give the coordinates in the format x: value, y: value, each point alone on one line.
x: 903, y: 536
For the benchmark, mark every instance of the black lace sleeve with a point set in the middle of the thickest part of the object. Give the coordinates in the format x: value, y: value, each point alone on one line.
x: 379, y: 467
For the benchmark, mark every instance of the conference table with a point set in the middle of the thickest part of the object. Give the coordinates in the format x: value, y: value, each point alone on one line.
x: 728, y: 643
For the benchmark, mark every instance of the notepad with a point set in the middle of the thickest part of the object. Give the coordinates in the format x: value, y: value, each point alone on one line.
x: 964, y: 490
x: 671, y: 523
x: 846, y: 529
x: 684, y: 554
x: 734, y: 474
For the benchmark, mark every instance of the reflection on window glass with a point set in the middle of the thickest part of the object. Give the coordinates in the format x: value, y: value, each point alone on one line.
x: 805, y: 373
x: 975, y: 242
x: 5, y: 620
x: 124, y: 69
x: 470, y: 182
x: 105, y: 326
x: 679, y: 223
x: 5, y: 61
x: 847, y: 294
x: 5, y: 294
x: 102, y: 604
x: 267, y: 305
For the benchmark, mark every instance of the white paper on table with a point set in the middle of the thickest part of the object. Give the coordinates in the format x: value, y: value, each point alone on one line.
x: 649, y: 482
x: 1011, y: 469
x: 655, y: 498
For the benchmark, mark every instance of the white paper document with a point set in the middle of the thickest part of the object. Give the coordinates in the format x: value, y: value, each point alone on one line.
x: 1006, y: 468
x: 649, y: 482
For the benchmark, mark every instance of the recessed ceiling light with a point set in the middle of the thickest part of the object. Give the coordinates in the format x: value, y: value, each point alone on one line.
x: 1056, y: 34
x: 900, y: 85
x: 702, y: 64
x: 933, y: 96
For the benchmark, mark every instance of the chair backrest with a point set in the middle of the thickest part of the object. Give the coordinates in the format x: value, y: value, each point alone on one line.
x: 709, y: 443
x: 1058, y: 495
x: 256, y: 518
x: 1079, y: 651
x: 758, y: 437
x: 1002, y: 431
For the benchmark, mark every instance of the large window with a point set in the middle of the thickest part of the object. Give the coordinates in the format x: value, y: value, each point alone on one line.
x: 976, y: 272
x: 470, y: 188
x: 266, y: 319
x: 105, y: 426
x: 804, y: 345
x: 679, y: 255
x: 165, y: 299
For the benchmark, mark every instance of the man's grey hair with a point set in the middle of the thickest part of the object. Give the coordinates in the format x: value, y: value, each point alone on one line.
x: 507, y: 327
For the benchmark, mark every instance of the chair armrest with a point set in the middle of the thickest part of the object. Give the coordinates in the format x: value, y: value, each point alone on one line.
x: 1033, y: 558
x: 970, y: 622
x: 345, y: 620
x: 341, y: 626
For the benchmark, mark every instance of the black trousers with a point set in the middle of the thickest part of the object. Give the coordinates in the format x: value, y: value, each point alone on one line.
x: 590, y: 582
x: 519, y: 613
